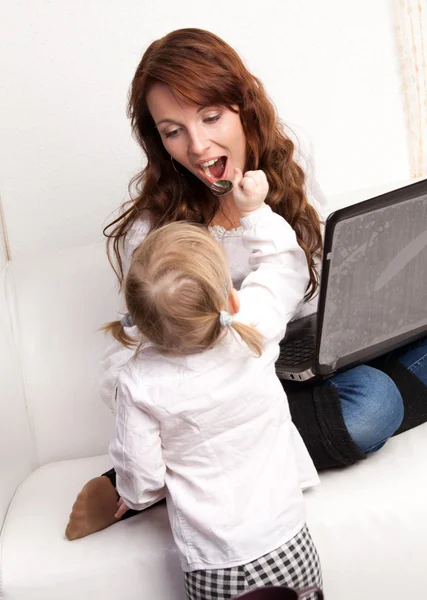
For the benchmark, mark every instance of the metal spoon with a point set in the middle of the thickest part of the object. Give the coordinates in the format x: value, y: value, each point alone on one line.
x: 221, y: 187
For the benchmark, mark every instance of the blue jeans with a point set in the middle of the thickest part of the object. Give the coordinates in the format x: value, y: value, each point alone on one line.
x: 371, y: 404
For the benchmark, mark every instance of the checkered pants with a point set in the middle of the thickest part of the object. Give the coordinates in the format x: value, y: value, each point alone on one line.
x: 296, y: 565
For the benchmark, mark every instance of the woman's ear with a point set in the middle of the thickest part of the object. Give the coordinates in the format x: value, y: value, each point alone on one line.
x: 233, y: 302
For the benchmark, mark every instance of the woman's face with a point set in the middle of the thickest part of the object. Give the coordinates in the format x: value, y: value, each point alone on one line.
x: 207, y: 140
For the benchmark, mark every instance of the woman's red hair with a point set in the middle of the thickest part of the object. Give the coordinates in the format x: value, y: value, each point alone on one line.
x: 202, y: 69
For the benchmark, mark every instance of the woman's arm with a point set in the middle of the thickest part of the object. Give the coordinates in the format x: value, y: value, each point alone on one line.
x: 304, y: 156
x: 116, y: 355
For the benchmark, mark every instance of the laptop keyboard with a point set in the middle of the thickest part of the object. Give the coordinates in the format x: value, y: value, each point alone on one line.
x: 296, y: 352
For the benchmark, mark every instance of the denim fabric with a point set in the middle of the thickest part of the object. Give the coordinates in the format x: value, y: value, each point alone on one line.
x: 371, y: 404
x: 415, y: 359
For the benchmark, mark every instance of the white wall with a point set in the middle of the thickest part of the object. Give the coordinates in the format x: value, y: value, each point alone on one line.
x: 3, y: 253
x: 66, y: 151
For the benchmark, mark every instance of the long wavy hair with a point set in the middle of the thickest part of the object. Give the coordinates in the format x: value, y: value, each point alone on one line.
x: 200, y: 68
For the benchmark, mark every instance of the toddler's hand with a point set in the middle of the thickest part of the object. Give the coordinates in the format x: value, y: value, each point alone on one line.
x: 122, y: 508
x: 249, y: 190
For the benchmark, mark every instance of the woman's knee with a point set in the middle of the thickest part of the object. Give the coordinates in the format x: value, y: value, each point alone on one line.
x: 371, y: 404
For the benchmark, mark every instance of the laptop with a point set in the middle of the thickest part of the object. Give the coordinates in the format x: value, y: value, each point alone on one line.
x: 373, y: 287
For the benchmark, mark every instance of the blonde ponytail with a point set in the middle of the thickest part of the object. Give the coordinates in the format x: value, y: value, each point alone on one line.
x: 118, y: 332
x: 251, y: 336
x: 177, y: 292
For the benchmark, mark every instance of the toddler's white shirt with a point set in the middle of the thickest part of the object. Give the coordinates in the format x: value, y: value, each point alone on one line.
x: 213, y: 430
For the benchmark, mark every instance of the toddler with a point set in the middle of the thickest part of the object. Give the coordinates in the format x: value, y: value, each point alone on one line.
x: 201, y: 415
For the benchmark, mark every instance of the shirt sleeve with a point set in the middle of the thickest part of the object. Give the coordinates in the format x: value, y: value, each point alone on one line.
x: 133, y: 238
x: 304, y: 156
x: 136, y: 452
x: 272, y: 292
x: 116, y: 355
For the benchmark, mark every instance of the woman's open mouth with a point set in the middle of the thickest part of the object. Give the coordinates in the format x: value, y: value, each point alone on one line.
x: 214, y: 169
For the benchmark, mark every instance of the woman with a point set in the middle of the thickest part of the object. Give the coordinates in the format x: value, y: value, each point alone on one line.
x: 198, y: 113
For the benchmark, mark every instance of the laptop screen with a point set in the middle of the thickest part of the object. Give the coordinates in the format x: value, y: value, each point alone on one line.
x: 377, y: 282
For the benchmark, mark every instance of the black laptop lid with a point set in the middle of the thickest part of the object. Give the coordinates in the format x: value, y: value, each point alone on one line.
x: 373, y: 296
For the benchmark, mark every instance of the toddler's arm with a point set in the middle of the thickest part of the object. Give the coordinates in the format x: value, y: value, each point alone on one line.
x: 271, y: 294
x: 136, y: 449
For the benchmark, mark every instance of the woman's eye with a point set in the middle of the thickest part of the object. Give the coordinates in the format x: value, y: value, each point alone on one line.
x: 171, y: 133
x: 212, y: 119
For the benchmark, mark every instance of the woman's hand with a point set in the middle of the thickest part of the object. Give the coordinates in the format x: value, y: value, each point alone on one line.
x: 122, y: 508
x: 249, y: 190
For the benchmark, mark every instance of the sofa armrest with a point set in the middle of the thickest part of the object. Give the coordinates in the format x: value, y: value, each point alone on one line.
x: 16, y: 447
x: 59, y: 301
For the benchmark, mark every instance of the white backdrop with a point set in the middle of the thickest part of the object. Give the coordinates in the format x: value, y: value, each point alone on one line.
x: 66, y: 152
x: 3, y: 249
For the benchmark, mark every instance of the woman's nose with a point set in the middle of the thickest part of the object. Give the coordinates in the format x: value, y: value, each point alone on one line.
x: 199, y: 142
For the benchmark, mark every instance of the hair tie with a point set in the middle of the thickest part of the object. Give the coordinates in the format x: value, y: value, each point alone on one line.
x: 126, y: 321
x: 225, y: 318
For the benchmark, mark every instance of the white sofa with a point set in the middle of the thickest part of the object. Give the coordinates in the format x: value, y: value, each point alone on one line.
x: 368, y: 521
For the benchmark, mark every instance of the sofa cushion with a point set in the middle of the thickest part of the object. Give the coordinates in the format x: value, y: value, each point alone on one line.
x: 131, y: 560
x: 368, y: 522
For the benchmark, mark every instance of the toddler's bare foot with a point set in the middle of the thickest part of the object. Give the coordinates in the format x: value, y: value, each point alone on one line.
x: 93, y: 510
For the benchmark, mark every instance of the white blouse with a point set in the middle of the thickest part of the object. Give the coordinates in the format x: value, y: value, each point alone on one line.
x: 213, y: 430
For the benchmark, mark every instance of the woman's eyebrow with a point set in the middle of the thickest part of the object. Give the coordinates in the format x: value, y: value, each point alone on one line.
x: 167, y: 121
x: 177, y: 122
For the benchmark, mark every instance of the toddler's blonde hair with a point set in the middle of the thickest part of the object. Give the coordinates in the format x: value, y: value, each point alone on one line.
x: 176, y: 287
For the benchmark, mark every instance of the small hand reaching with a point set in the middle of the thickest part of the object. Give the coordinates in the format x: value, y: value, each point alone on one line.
x: 249, y: 190
x: 123, y: 507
